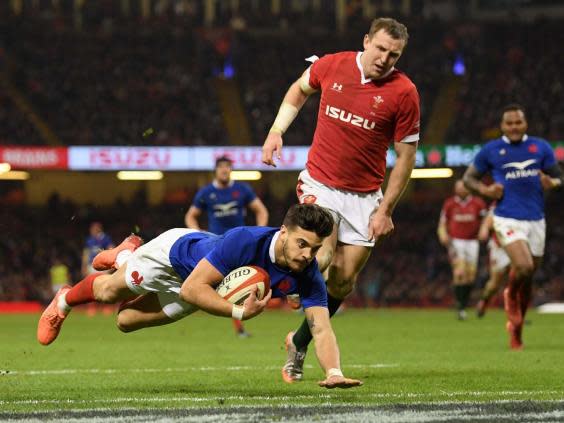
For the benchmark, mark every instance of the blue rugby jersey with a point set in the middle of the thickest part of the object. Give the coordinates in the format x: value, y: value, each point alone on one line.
x: 248, y: 245
x: 516, y: 166
x: 225, y: 207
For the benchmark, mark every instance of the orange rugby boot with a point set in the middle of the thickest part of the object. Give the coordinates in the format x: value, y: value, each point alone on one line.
x: 106, y: 259
x: 293, y: 370
x: 51, y: 320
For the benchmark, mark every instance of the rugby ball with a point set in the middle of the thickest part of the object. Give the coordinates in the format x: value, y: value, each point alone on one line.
x: 236, y: 286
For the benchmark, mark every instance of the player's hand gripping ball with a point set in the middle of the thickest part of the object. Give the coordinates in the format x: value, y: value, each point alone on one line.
x: 237, y: 285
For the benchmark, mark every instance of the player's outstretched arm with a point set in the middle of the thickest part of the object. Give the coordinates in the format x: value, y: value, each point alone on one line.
x: 293, y: 101
x: 552, y: 177
x: 327, y: 349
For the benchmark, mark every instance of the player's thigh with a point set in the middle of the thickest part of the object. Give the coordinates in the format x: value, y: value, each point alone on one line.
x: 152, y: 309
x: 520, y: 256
x: 111, y: 288
x: 348, y: 262
x: 325, y: 254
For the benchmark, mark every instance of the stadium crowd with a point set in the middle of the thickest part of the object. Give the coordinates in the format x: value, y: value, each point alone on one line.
x: 111, y: 81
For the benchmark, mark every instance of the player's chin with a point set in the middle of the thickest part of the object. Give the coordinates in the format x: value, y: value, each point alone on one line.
x: 299, y: 266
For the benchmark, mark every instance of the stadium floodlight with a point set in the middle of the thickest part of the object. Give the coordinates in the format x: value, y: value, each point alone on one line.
x: 246, y: 175
x: 140, y: 175
x: 431, y: 173
x: 5, y: 167
x: 14, y: 175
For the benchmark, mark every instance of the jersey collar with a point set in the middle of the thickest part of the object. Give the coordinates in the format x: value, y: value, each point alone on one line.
x: 229, y: 185
x: 508, y: 141
x: 363, y: 79
x: 464, y: 201
x: 271, y: 248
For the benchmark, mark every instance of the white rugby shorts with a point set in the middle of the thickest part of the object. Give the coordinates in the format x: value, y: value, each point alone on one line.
x: 351, y: 210
x: 533, y: 232
x: 466, y: 250
x: 498, y: 257
x: 149, y: 269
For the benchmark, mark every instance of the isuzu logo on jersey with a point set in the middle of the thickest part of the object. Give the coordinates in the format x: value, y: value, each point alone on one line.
x: 520, y: 169
x: 348, y: 117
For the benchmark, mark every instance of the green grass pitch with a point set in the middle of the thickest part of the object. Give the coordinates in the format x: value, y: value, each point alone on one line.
x: 403, y: 356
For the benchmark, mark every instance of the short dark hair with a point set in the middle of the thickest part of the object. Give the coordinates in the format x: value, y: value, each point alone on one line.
x: 393, y: 28
x: 310, y: 217
x: 223, y: 159
x: 513, y: 107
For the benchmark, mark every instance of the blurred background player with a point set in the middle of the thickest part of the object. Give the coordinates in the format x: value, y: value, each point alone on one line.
x: 365, y: 103
x: 59, y: 275
x: 96, y: 241
x: 459, y: 224
x: 498, y: 263
x: 522, y: 167
x: 225, y: 202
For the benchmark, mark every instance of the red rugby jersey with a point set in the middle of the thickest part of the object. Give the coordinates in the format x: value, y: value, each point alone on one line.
x: 463, y: 217
x: 358, y: 119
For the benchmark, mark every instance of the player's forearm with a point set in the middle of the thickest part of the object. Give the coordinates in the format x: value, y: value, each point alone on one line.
x: 262, y: 217
x: 442, y: 231
x: 191, y: 222
x: 472, y: 182
x: 289, y: 109
x: 399, y: 178
x: 326, y: 349
x: 205, y: 298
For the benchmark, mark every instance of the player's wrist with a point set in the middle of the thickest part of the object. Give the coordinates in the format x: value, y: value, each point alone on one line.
x: 333, y: 372
x: 237, y: 312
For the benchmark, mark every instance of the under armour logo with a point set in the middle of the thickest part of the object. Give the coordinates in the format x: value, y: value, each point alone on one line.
x: 337, y: 87
x: 137, y: 279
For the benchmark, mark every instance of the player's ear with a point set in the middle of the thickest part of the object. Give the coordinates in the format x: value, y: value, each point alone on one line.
x: 366, y: 41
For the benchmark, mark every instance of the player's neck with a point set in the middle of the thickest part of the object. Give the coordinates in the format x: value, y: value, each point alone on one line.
x: 222, y: 184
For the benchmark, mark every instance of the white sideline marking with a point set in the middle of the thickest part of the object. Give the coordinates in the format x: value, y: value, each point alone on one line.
x: 474, y: 412
x: 170, y: 370
x: 246, y: 398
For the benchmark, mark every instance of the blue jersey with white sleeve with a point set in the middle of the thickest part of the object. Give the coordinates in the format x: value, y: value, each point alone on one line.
x: 248, y: 245
x: 516, y: 166
x: 225, y: 207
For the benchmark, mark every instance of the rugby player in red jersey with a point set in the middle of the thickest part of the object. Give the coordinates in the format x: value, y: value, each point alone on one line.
x: 366, y: 103
x: 459, y: 225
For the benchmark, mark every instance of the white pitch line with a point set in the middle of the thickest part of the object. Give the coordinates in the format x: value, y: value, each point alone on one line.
x: 169, y: 370
x: 246, y: 398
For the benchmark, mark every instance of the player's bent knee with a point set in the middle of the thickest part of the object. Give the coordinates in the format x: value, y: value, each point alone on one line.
x: 523, y: 270
x: 125, y: 323
x: 340, y: 288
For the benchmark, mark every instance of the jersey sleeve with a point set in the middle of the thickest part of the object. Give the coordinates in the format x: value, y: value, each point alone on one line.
x: 248, y: 194
x: 549, y: 159
x: 200, y: 200
x: 408, y: 117
x: 481, y: 162
x: 236, y: 249
x: 313, y: 290
x: 318, y: 70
